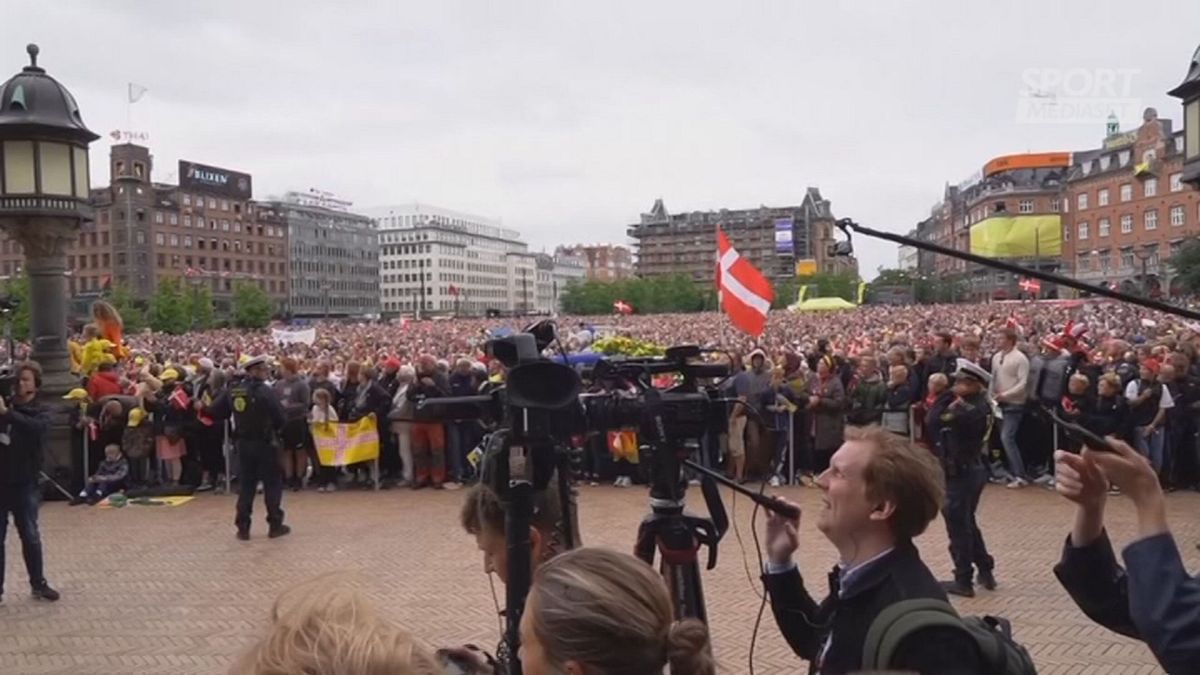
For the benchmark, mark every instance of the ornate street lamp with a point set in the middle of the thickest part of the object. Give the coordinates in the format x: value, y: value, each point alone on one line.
x: 43, y: 203
x: 1188, y: 91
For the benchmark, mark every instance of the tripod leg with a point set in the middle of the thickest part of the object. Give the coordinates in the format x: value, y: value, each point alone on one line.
x: 687, y: 593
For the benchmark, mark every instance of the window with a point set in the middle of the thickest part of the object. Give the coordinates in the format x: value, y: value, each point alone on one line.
x: 158, y: 217
x: 174, y: 219
x: 224, y: 205
x: 1126, y: 258
x: 1126, y: 224
x: 1082, y: 201
x: 212, y: 203
x: 1054, y: 205
x: 1176, y: 182
x: 1102, y: 227
x: 1102, y: 197
x: 1150, y: 219
x: 1066, y: 233
x: 1174, y: 247
x: 1025, y: 206
x: 1150, y: 187
x: 1083, y: 230
x: 1177, y: 216
x: 174, y: 240
x: 187, y: 221
x: 1105, y: 262
x: 1085, y: 262
x: 1126, y: 192
x: 187, y: 199
x: 187, y: 241
x: 237, y: 227
x: 159, y: 239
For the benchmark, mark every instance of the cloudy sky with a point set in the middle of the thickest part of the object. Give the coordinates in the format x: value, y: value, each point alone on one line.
x: 567, y: 119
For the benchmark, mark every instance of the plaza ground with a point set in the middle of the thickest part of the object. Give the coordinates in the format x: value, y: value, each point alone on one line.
x: 169, y: 590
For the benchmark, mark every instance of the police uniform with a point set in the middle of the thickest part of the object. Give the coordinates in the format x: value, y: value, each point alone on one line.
x: 965, y: 425
x: 257, y: 421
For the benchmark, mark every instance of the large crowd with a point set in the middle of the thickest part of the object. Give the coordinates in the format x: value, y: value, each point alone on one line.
x: 1124, y: 370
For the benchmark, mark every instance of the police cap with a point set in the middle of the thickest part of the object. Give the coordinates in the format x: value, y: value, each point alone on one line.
x: 261, y: 360
x: 972, y: 371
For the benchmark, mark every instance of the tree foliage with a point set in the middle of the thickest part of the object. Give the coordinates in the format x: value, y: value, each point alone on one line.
x: 251, y: 306
x: 200, y: 307
x: 676, y: 293
x: 16, y: 289
x: 133, y: 316
x: 923, y: 288
x: 824, y: 285
x: 170, y: 308
x: 1186, y: 264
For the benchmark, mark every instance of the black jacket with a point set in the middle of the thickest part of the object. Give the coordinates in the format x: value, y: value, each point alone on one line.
x: 898, y: 575
x: 966, y: 422
x: 21, y: 459
x: 418, y: 391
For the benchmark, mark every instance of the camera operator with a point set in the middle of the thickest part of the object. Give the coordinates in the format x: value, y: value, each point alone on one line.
x: 1153, y: 599
x: 23, y: 426
x: 482, y: 516
x: 879, y: 493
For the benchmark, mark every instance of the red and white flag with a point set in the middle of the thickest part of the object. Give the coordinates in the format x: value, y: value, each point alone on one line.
x: 622, y: 307
x: 745, y: 293
x: 1030, y: 286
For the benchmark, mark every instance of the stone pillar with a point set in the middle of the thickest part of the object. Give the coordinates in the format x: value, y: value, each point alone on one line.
x: 44, y: 241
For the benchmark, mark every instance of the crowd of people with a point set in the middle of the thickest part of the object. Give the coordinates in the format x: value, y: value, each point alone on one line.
x: 1116, y: 368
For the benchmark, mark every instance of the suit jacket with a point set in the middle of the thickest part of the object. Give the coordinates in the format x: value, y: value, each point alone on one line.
x: 1156, y: 602
x: 898, y: 575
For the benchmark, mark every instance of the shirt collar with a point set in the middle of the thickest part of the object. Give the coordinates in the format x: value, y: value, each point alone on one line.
x: 848, y: 575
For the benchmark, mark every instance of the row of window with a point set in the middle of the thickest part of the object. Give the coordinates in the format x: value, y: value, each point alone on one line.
x: 213, y: 203
x: 1178, y: 218
x: 1149, y: 189
x: 1129, y: 261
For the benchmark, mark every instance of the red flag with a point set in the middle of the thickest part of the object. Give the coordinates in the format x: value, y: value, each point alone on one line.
x: 1030, y: 285
x: 179, y: 399
x: 622, y: 307
x: 745, y: 293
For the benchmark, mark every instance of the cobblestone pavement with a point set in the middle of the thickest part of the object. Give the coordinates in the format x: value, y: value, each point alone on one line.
x: 169, y: 590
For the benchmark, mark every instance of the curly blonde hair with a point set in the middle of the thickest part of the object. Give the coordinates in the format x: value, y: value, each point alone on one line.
x: 326, y: 627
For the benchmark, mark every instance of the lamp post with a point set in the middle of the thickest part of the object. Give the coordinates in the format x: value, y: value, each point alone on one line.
x: 1188, y: 92
x: 43, y: 203
x: 1144, y: 254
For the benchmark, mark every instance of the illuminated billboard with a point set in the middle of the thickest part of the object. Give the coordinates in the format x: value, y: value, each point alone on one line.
x: 1017, y: 236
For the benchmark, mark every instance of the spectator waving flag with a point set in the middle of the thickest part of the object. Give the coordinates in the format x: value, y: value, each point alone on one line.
x: 745, y: 293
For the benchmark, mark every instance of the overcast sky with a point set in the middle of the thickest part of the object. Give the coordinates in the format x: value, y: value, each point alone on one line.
x: 567, y: 119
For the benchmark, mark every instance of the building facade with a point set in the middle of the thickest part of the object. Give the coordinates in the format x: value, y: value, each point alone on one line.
x: 782, y: 242
x: 569, y: 268
x: 334, y: 263
x: 439, y: 261
x: 1127, y: 210
x: 206, y: 230
x: 604, y: 262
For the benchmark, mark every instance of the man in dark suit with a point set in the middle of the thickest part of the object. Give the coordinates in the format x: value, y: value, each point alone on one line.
x: 879, y: 492
x: 1156, y: 601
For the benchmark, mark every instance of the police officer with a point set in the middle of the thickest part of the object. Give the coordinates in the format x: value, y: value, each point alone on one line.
x: 965, y: 425
x: 257, y: 420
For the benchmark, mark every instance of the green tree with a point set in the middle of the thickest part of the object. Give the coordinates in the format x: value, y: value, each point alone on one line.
x: 825, y: 285
x: 200, y: 306
x: 1186, y: 264
x: 132, y: 315
x: 251, y: 306
x: 16, y: 289
x: 170, y: 310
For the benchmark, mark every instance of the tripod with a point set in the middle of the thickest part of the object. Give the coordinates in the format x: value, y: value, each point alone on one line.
x: 677, y: 534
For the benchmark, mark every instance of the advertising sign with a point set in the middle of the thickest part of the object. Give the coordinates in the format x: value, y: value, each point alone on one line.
x: 806, y: 267
x: 212, y: 180
x: 783, y: 236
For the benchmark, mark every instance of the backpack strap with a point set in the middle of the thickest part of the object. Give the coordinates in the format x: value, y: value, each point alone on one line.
x: 898, y: 621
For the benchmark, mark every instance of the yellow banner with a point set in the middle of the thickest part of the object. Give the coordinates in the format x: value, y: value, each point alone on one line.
x: 803, y: 292
x: 339, y: 444
x: 1017, y: 236
x: 862, y: 291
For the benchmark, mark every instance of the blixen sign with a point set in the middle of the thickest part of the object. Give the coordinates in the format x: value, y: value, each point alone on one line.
x: 213, y: 180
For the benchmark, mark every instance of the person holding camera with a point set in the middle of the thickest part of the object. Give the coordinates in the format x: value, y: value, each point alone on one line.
x: 879, y: 493
x: 23, y: 427
x: 1153, y: 598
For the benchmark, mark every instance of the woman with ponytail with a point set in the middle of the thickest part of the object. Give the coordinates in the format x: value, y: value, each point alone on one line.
x: 594, y: 611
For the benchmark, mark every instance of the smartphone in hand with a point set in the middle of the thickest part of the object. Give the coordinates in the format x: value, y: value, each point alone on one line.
x: 1080, y: 434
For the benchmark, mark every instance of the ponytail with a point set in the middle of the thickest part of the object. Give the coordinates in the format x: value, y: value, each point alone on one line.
x: 688, y: 649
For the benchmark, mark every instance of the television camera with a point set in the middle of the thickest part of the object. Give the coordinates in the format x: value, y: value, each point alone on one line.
x: 543, y: 403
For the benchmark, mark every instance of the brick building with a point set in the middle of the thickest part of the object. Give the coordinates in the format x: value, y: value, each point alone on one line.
x: 144, y: 232
x: 604, y: 262
x: 1126, y: 209
x: 780, y: 241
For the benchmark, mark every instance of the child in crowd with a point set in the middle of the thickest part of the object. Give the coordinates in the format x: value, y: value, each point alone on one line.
x: 323, y: 413
x: 110, y: 476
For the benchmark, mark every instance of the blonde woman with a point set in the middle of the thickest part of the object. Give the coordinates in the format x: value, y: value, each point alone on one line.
x: 328, y: 628
x: 594, y: 611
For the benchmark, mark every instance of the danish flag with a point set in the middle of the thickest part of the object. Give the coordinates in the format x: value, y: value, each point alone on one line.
x: 622, y: 307
x: 1030, y: 285
x: 745, y: 293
